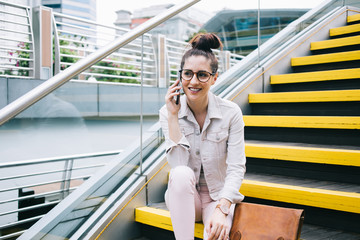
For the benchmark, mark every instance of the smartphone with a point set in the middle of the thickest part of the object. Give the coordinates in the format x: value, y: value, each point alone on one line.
x: 178, y: 96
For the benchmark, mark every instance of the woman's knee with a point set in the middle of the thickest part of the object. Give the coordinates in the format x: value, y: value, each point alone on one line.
x: 182, y: 178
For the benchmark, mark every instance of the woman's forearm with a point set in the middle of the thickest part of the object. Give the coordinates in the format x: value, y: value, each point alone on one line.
x: 174, y: 128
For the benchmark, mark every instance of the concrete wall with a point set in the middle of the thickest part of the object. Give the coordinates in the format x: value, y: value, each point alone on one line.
x: 83, y: 99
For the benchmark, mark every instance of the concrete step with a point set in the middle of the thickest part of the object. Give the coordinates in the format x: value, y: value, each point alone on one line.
x: 298, y: 153
x: 353, y: 18
x: 323, y: 122
x: 318, y: 76
x: 308, y: 96
x: 335, y: 43
x: 351, y: 29
x: 159, y: 217
x: 326, y: 58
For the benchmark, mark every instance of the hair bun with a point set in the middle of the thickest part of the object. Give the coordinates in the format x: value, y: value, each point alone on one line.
x: 206, y: 42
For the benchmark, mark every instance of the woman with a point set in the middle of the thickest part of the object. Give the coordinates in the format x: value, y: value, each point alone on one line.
x: 204, y: 137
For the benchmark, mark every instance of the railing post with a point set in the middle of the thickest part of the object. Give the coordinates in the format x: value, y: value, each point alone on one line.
x: 258, y: 33
x: 65, y: 184
x: 42, y: 26
x: 141, y: 104
x: 163, y: 80
x: 62, y: 186
x: 68, y: 177
x: 227, y: 60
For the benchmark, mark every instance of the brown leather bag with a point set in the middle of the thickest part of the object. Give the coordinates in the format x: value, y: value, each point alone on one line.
x: 262, y: 222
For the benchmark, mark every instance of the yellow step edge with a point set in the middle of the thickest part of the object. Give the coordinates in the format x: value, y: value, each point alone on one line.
x: 334, y: 43
x: 344, y: 30
x: 332, y: 122
x: 342, y: 157
x: 314, y: 197
x: 329, y: 199
x: 331, y: 75
x: 161, y: 218
x: 308, y: 96
x: 326, y: 58
x: 353, y: 18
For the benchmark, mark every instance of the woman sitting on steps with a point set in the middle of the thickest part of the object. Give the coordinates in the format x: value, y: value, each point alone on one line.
x: 205, y: 147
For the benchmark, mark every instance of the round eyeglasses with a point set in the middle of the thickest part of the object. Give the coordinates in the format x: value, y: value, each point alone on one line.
x: 202, y: 76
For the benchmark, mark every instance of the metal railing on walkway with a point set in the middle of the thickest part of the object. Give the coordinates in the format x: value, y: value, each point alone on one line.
x: 16, y: 41
x: 28, y: 189
x: 75, y: 38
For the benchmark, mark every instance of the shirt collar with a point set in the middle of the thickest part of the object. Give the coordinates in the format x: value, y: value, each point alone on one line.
x: 214, y: 110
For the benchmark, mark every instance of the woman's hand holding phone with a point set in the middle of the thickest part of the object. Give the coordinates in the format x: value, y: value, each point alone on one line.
x: 178, y: 91
x: 172, y: 98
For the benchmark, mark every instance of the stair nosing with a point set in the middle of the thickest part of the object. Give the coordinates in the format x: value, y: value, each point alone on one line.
x: 352, y: 95
x: 315, y: 76
x: 309, y: 196
x: 322, y: 122
x: 326, y: 58
x: 353, y: 18
x: 335, y: 43
x: 343, y: 157
x: 344, y: 30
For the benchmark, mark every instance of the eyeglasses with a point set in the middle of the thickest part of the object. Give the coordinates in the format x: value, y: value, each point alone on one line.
x: 202, y: 76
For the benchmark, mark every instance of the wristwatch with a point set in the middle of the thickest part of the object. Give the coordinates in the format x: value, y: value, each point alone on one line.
x: 224, y: 209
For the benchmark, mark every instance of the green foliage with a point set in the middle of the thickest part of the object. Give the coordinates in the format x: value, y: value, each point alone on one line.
x: 68, y: 59
x: 195, y: 33
x: 23, y: 63
x: 19, y: 62
x: 111, y: 65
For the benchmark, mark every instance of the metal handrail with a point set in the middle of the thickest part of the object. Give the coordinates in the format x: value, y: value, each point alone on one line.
x: 58, y: 80
x: 55, y: 159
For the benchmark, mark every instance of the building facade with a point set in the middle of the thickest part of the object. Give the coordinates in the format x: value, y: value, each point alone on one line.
x: 179, y: 27
x: 238, y: 28
x: 78, y: 8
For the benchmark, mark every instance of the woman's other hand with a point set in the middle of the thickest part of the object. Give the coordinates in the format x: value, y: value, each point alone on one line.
x: 217, y: 228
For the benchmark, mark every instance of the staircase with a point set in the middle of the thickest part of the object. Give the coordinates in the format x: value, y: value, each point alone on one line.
x: 303, y: 142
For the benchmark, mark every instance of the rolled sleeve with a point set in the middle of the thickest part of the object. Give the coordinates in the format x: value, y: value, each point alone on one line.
x: 170, y: 144
x: 231, y: 193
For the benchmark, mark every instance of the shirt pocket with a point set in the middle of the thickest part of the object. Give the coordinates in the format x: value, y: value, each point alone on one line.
x: 217, y: 143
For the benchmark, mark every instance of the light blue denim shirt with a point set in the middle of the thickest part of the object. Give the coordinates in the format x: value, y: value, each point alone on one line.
x: 219, y: 147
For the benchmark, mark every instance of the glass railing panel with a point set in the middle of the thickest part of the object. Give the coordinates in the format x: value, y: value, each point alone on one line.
x: 353, y: 3
x: 73, y: 220
x: 269, y: 47
x: 78, y: 118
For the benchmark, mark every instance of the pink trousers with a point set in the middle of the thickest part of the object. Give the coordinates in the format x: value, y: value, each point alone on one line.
x: 187, y: 205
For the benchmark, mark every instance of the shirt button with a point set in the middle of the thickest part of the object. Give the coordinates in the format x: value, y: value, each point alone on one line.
x: 197, y: 133
x: 218, y: 138
x: 195, y: 169
x: 197, y: 152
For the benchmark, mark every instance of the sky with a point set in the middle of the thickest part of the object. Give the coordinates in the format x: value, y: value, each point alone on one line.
x: 106, y: 8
